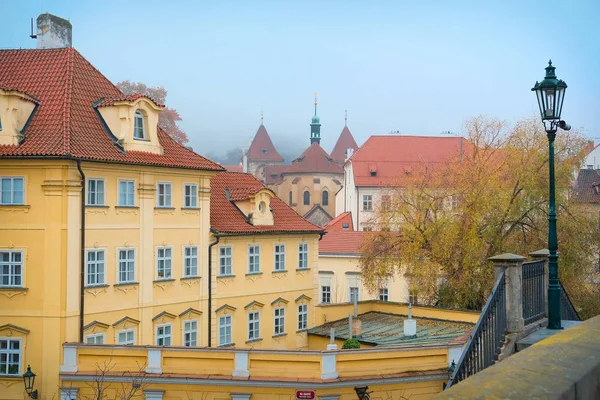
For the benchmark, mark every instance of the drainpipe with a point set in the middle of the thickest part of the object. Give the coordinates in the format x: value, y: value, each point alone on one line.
x: 210, y: 246
x: 82, y: 255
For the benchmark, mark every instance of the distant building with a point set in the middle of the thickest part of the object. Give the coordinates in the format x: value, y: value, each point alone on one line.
x: 587, y: 189
x: 261, y: 154
x: 592, y: 159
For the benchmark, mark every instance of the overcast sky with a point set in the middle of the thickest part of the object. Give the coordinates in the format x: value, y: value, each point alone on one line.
x: 418, y: 67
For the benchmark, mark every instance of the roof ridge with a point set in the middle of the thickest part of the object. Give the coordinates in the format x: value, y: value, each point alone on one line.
x: 67, y: 103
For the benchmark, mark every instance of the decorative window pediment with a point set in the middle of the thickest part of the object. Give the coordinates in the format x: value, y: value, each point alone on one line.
x: 303, y: 299
x: 126, y: 323
x: 16, y: 109
x: 163, y: 317
x: 254, y: 305
x: 225, y: 309
x: 95, y: 327
x: 190, y: 313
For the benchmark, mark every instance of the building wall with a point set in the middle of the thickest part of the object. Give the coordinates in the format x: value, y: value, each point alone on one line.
x: 315, y: 184
x: 257, y: 168
x: 592, y: 160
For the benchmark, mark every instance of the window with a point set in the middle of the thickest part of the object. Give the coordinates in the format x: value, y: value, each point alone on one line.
x: 367, y: 202
x: 367, y: 229
x: 126, y: 337
x: 385, y: 202
x: 164, y: 195
x: 353, y: 294
x: 302, y: 316
x: 325, y: 198
x: 163, y: 335
x: 303, y: 256
x: 280, y: 257
x: 163, y: 263
x: 139, y: 128
x: 253, y: 259
x: 253, y: 325
x: 384, y: 294
x: 12, y: 191
x: 98, y: 338
x: 126, y: 193
x: 10, y: 357
x: 307, y: 198
x: 190, y: 196
x: 225, y: 260
x: 190, y: 261
x: 11, y: 268
x: 126, y: 266
x: 224, y: 330
x: 95, y: 267
x: 190, y: 333
x: 345, y: 226
x: 290, y: 198
x: 279, y: 321
x: 326, y: 294
x: 95, y: 192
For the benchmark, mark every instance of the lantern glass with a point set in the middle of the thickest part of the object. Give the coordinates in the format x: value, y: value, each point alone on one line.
x: 29, y: 379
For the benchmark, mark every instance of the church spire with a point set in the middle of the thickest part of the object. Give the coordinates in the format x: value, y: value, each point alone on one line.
x: 315, y: 126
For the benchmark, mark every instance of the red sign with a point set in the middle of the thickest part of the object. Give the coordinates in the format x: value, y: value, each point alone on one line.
x: 305, y: 394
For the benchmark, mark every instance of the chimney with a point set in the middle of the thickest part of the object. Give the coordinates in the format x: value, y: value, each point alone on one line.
x: 410, y: 325
x: 53, y: 32
x: 245, y: 163
x: 349, y: 153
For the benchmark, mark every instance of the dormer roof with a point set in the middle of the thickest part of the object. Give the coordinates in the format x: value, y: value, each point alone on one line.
x: 344, y: 142
x: 262, y: 148
x: 66, y: 124
x: 123, y: 98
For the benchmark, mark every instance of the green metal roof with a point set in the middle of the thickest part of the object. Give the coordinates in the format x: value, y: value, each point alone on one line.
x: 383, y: 329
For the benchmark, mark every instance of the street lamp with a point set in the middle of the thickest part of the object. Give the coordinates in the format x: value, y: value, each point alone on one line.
x: 550, y: 95
x: 361, y: 392
x: 29, y: 380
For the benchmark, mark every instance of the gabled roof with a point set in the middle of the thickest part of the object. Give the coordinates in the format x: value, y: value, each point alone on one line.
x: 262, y: 148
x: 225, y: 217
x: 342, y: 243
x: 384, y: 160
x: 585, y: 188
x: 344, y: 142
x: 338, y: 223
x: 65, y: 123
x: 317, y: 215
x: 314, y: 160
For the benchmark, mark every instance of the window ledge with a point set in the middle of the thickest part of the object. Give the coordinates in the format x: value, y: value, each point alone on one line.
x: 225, y: 276
x: 164, y: 208
x: 141, y: 139
x: 126, y: 283
x: 254, y: 340
x: 253, y: 273
x: 302, y: 330
x: 280, y: 271
x: 18, y: 288
x: 227, y: 345
x: 15, y: 207
x: 163, y: 280
x: 302, y: 269
x: 190, y: 277
x: 100, y: 285
x: 135, y: 207
x: 279, y: 335
x: 11, y: 377
x: 191, y: 208
x: 96, y: 206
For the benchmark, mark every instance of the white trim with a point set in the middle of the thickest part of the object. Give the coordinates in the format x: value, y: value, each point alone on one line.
x: 225, y: 325
x: 87, y: 251
x: 183, y: 331
x: 256, y: 254
x: 126, y: 180
x: 183, y: 272
x: 95, y: 336
x: 195, y: 195
x: 87, y: 192
x: 135, y: 119
x: 119, y: 249
x: 21, y: 263
x: 8, y: 351
x: 164, y: 336
x: 126, y: 331
x: 165, y: 259
x: 12, y: 190
x: 275, y: 253
x: 170, y: 194
x: 255, y: 324
x: 230, y: 256
x: 305, y: 253
x: 281, y: 319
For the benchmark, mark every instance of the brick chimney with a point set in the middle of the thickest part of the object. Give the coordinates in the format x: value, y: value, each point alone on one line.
x: 53, y: 32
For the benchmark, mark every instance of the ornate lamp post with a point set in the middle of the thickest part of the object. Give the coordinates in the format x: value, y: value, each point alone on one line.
x: 29, y: 381
x: 550, y: 95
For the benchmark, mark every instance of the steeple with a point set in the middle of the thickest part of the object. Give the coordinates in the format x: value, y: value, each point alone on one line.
x: 315, y: 126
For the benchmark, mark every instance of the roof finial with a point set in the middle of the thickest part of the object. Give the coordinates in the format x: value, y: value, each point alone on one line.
x: 262, y: 117
x: 345, y: 117
x: 316, y: 94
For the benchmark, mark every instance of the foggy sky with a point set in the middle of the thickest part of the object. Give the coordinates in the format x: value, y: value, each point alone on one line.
x: 416, y: 67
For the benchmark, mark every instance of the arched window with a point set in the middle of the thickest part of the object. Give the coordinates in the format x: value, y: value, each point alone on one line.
x: 325, y: 198
x: 139, y: 128
x: 307, y: 198
x: 290, y: 200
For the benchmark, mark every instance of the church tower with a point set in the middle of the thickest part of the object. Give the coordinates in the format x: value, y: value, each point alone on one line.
x: 315, y: 127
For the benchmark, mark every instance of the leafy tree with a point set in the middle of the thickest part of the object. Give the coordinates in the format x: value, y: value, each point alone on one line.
x: 351, y: 344
x: 447, y: 218
x: 168, y: 118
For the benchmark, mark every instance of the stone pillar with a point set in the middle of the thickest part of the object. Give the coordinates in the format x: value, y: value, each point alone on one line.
x: 514, y: 289
x: 543, y: 255
x: 68, y: 393
x: 154, y: 394
x: 154, y: 361
x: 241, y: 364
x: 328, y: 365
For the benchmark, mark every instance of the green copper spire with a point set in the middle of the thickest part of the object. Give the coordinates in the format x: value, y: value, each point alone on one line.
x: 315, y: 126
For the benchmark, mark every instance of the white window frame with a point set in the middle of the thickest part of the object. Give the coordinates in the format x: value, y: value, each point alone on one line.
x: 137, y: 116
x: 13, y: 279
x: 225, y: 325
x: 190, y: 200
x: 129, y: 195
x: 351, y: 290
x: 164, y: 263
x: 11, y: 191
x: 126, y: 261
x: 190, y: 261
x: 190, y: 333
x: 302, y: 255
x: 279, y: 257
x: 384, y: 294
x: 96, y: 196
x: 279, y: 321
x: 253, y: 258
x: 302, y: 316
x: 12, y: 352
x: 164, y: 336
x: 367, y: 202
x: 94, y: 338
x: 253, y: 325
x: 97, y: 264
x: 164, y: 200
x: 127, y: 341
x: 224, y: 268
x: 325, y: 293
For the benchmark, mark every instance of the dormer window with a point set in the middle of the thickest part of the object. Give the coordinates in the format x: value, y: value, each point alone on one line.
x: 139, y: 129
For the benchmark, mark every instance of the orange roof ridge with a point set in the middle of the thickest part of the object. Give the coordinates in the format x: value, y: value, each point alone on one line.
x: 262, y: 148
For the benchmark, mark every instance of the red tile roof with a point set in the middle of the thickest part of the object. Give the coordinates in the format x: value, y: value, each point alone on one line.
x: 226, y: 218
x: 273, y: 173
x: 234, y: 168
x: 314, y: 160
x: 262, y: 148
x: 344, y: 142
x: 110, y: 101
x: 6, y: 88
x: 65, y: 124
x: 336, y: 223
x: 587, y: 188
x: 384, y: 160
x: 342, y: 242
